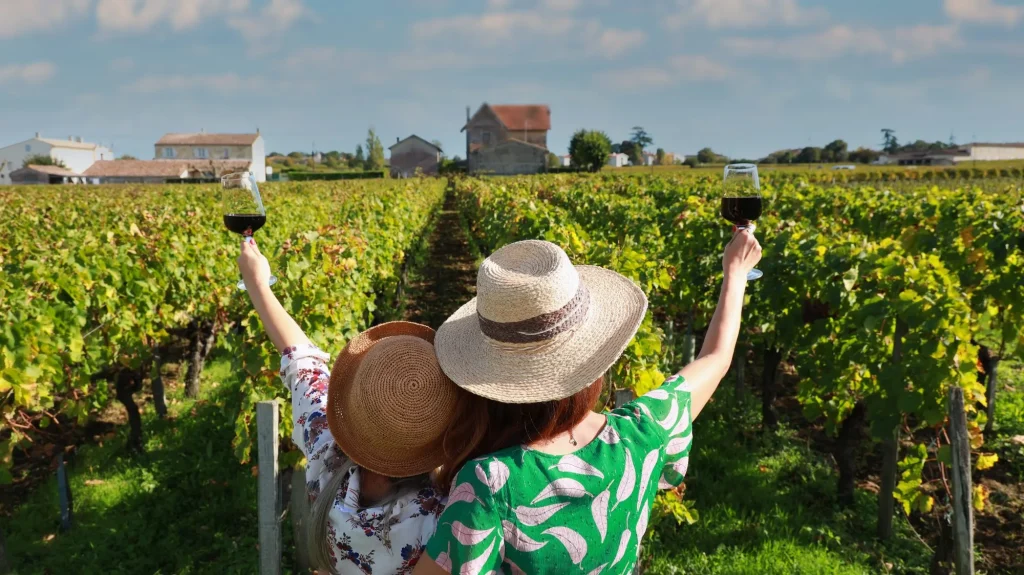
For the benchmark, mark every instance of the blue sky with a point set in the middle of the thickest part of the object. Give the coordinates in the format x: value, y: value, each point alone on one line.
x: 743, y: 76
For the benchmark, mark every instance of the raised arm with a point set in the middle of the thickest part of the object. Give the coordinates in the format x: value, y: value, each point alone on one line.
x: 281, y: 328
x: 704, y: 374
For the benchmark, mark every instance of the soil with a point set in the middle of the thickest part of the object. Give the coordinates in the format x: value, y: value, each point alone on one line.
x: 448, y: 279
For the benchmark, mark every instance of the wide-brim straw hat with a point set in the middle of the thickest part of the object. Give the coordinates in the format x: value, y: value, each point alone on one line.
x: 540, y: 329
x: 388, y: 403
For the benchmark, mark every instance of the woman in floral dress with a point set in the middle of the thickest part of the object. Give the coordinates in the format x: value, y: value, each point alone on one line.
x: 372, y: 428
x: 555, y: 487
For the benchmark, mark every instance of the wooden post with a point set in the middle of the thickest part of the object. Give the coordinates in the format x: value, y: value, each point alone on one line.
x: 159, y: 393
x: 268, y: 503
x: 990, y: 393
x: 739, y: 364
x: 963, y: 512
x: 623, y: 396
x: 64, y: 495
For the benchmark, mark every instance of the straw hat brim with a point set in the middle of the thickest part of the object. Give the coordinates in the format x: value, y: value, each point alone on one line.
x: 356, y: 440
x: 552, y: 371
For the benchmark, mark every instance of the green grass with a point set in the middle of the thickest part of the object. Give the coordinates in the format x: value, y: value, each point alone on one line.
x: 185, y: 506
x: 767, y: 504
x: 1009, y: 417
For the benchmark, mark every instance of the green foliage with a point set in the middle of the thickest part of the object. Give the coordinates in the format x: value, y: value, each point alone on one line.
x: 42, y: 160
x: 641, y: 138
x: 127, y: 157
x: 554, y: 161
x: 333, y: 176
x: 374, y: 152
x: 589, y: 149
x: 661, y: 159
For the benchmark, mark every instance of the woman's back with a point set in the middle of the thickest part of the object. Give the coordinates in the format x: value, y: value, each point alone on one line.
x: 520, y: 510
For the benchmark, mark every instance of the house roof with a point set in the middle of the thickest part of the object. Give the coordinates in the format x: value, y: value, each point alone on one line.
x: 160, y: 168
x: 519, y: 117
x: 204, y: 139
x: 413, y: 137
x: 52, y: 170
x: 1003, y: 145
x: 68, y: 144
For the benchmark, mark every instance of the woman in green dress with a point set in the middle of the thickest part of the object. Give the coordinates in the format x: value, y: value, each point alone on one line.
x: 547, y: 485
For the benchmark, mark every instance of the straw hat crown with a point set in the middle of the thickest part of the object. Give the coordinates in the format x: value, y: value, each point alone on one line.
x: 540, y: 329
x: 525, y: 280
x: 389, y: 403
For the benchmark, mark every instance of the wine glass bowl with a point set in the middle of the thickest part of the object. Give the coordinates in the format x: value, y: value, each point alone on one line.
x: 741, y: 200
x: 243, y: 209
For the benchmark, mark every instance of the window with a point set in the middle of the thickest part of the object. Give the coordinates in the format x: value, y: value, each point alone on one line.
x: 201, y: 153
x: 226, y: 153
x: 169, y: 152
x: 486, y: 138
x: 28, y: 147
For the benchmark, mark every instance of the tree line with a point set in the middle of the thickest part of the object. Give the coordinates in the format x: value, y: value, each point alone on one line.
x: 368, y: 156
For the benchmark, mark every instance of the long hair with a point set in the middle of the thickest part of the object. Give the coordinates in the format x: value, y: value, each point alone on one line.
x: 484, y: 426
x: 319, y: 542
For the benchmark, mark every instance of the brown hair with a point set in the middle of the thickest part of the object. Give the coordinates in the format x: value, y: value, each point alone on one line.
x: 484, y: 426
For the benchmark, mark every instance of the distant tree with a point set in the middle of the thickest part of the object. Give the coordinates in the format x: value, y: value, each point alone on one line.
x: 127, y: 157
x: 660, y: 157
x: 438, y: 144
x: 297, y: 155
x: 809, y: 155
x: 456, y: 158
x: 616, y: 148
x: 632, y: 151
x: 889, y: 142
x: 358, y: 160
x: 374, y: 151
x: 641, y: 138
x: 691, y: 161
x: 864, y: 155
x: 271, y: 154
x: 554, y: 161
x: 43, y: 160
x: 707, y: 156
x: 836, y: 151
x: 589, y: 149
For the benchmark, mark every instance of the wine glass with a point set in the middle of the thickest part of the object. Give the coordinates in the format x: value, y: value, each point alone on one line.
x: 243, y: 208
x: 741, y: 200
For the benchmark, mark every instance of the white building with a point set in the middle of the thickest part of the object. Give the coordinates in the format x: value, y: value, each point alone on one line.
x: 565, y: 160
x: 73, y: 152
x: 203, y: 146
x: 618, y: 160
x: 976, y: 152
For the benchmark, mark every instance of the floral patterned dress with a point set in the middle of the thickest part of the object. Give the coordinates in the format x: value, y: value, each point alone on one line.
x: 359, y: 546
x: 522, y: 511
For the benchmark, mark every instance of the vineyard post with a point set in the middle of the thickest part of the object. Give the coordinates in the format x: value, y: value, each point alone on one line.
x: 268, y: 493
x: 990, y: 393
x: 159, y: 394
x: 963, y: 512
x: 890, y: 451
x: 739, y: 364
x: 298, y: 508
x: 623, y: 396
x: 64, y: 495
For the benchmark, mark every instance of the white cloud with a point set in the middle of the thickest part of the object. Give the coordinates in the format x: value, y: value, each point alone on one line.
x: 983, y: 12
x: 276, y: 17
x: 698, y: 68
x: 222, y: 83
x: 18, y: 17
x: 613, y: 42
x: 143, y: 15
x: 34, y: 73
x: 561, y: 32
x: 898, y: 44
x: 743, y: 13
x: 499, y: 4
x: 679, y: 68
x: 562, y: 5
x: 372, y: 68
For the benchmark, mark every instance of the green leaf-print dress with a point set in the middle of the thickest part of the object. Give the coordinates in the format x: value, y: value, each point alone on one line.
x: 522, y: 511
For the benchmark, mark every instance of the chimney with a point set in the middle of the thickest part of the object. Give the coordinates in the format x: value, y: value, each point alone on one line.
x: 78, y: 139
x: 71, y: 139
x: 37, y: 134
x: 397, y: 139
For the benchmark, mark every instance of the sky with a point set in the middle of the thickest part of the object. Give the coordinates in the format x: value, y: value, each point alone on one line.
x: 744, y: 77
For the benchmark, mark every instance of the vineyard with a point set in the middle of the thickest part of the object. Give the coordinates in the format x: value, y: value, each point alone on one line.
x: 877, y: 299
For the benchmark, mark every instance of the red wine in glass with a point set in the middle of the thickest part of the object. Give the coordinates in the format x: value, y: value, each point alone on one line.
x: 244, y: 213
x: 741, y: 200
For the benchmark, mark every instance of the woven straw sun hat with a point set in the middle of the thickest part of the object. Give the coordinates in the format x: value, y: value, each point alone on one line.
x: 389, y: 404
x: 540, y: 329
